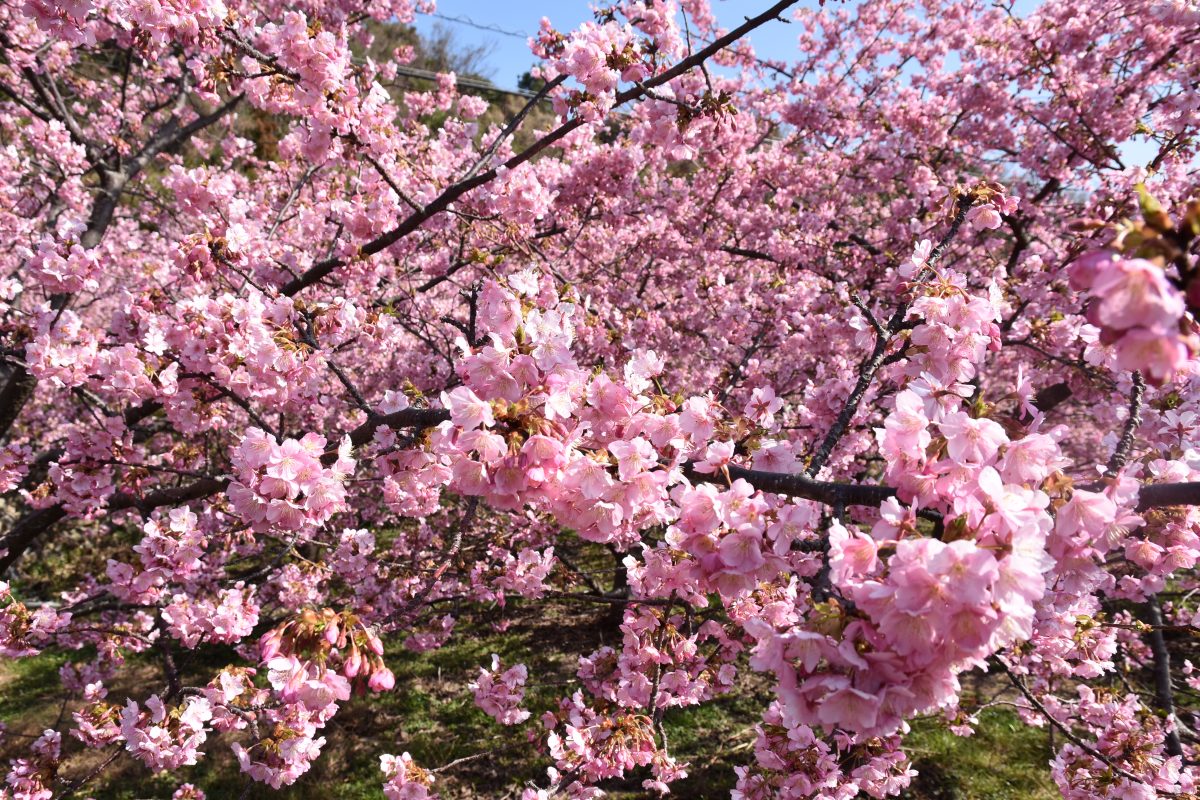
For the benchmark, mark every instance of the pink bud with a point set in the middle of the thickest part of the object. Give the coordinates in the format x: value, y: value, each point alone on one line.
x: 269, y: 645
x: 354, y: 663
x: 382, y: 680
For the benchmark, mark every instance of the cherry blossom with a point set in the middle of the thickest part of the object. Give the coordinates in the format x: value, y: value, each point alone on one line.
x: 853, y: 375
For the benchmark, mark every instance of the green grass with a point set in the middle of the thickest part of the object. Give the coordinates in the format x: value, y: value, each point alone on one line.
x: 30, y: 686
x: 1004, y: 760
x: 431, y: 714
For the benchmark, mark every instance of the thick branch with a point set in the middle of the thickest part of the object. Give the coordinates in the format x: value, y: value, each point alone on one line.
x: 803, y: 486
x: 33, y: 524
x: 408, y: 418
x: 205, y: 487
x: 1160, y: 495
x: 26, y: 530
x: 1121, y: 453
x: 14, y: 395
x: 1162, y: 676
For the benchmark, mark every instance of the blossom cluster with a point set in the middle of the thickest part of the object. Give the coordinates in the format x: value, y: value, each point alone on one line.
x: 793, y: 762
x: 286, y: 486
x: 499, y: 694
x: 307, y: 354
x: 1137, y: 310
x: 163, y: 737
x: 32, y: 777
x: 1125, y: 727
x: 405, y: 780
x: 24, y: 632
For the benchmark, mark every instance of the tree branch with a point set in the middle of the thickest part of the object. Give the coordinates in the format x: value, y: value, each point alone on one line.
x: 1121, y: 453
x: 1162, y: 676
x: 866, y: 372
x: 1071, y: 737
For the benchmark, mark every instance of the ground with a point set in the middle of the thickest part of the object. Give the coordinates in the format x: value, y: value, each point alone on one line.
x: 431, y: 714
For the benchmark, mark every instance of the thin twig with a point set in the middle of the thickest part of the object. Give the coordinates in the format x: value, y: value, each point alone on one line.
x: 291, y: 198
x: 1067, y: 732
x: 866, y: 372
x: 78, y: 783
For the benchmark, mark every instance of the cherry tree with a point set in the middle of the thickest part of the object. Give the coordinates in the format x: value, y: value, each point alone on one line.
x: 871, y: 369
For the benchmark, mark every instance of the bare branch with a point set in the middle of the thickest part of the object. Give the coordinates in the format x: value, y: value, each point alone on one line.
x: 1162, y: 676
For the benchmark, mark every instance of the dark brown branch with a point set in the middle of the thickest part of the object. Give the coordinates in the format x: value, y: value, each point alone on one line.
x: 1121, y: 453
x: 205, y: 487
x: 1162, y: 676
x: 1159, y: 495
x: 14, y: 395
x: 756, y: 255
x: 801, y: 485
x: 857, y: 239
x: 23, y: 103
x: 79, y: 783
x: 26, y: 530
x: 407, y: 418
x: 1052, y: 396
x: 34, y: 523
x: 617, y: 600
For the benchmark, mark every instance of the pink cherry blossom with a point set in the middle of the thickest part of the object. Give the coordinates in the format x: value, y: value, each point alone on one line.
x: 971, y: 440
x: 850, y: 369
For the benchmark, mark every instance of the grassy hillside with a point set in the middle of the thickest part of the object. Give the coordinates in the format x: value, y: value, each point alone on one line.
x: 431, y: 714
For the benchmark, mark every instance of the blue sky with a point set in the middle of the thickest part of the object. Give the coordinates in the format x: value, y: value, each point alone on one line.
x: 510, y: 55
x: 516, y: 20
